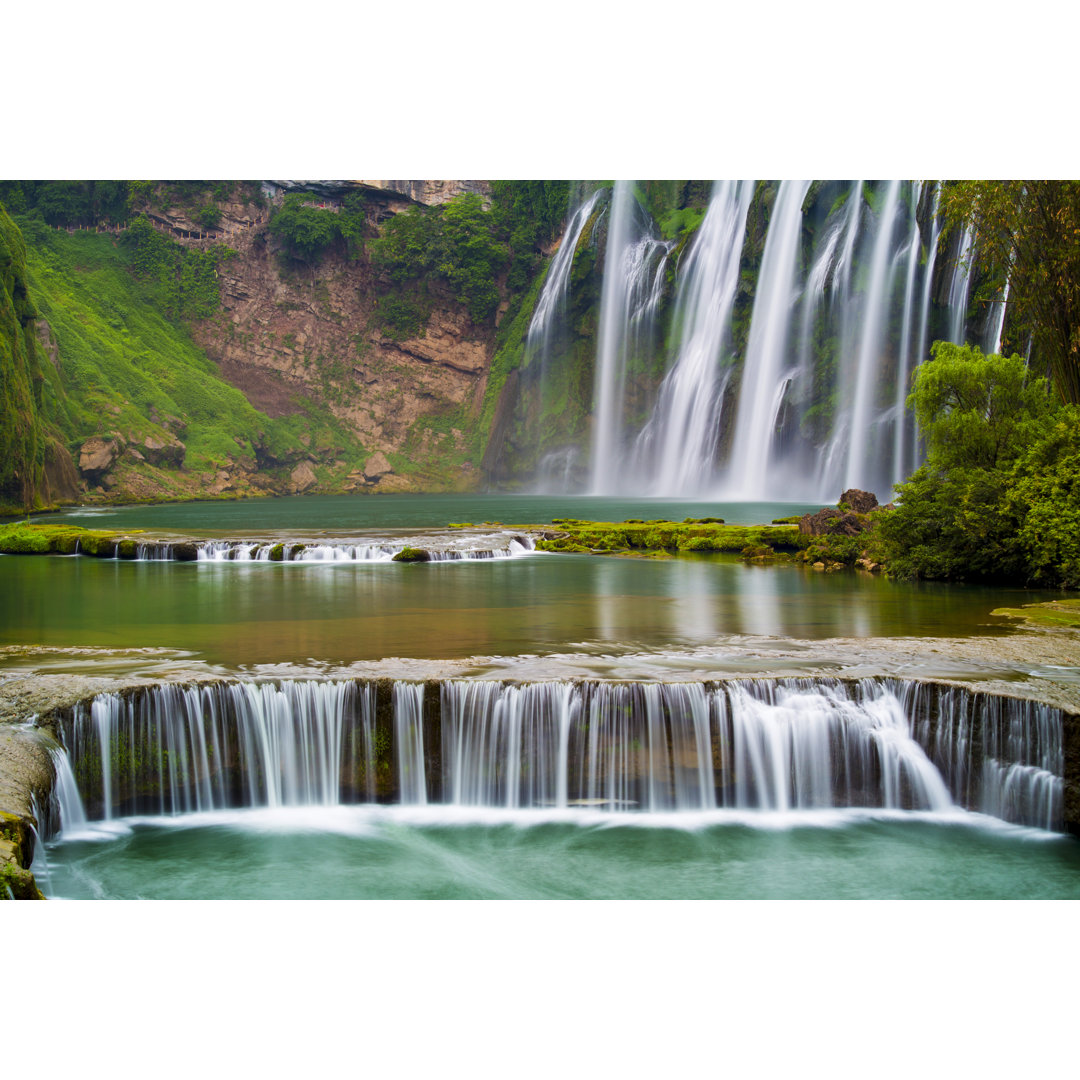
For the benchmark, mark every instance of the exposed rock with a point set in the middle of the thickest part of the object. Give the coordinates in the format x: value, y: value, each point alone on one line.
x: 48, y: 342
x: 167, y: 451
x: 99, y: 453
x: 832, y: 522
x: 376, y: 467
x: 302, y: 478
x: 861, y: 502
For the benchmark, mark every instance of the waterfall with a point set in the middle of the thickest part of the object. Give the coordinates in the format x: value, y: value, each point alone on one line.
x: 743, y: 745
x: 959, y: 285
x: 551, y: 304
x: 678, y: 445
x: 860, y: 471
x: 997, y: 323
x: 764, y: 369
x: 409, y: 741
x: 183, y: 749
x: 804, y: 394
x: 633, y: 281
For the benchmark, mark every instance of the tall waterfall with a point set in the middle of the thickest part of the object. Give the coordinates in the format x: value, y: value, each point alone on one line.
x: 779, y: 364
x: 767, y: 369
x: 633, y: 278
x: 744, y: 745
x: 677, y: 448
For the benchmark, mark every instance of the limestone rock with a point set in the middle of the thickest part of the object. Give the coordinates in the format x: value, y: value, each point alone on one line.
x: 302, y: 478
x: 377, y: 467
x: 99, y: 453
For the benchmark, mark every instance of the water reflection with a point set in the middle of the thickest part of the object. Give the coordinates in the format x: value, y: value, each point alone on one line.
x: 264, y: 613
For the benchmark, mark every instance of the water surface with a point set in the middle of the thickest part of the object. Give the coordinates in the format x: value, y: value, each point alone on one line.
x: 439, y: 853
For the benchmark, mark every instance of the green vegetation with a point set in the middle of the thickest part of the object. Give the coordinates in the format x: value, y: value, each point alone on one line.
x: 26, y: 539
x: 457, y: 244
x: 184, y: 280
x: 1059, y: 613
x: 1029, y: 231
x: 573, y: 535
x: 22, y: 378
x: 999, y: 496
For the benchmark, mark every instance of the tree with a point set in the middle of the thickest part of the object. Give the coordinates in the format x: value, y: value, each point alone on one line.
x: 999, y: 496
x: 305, y: 230
x: 1029, y: 232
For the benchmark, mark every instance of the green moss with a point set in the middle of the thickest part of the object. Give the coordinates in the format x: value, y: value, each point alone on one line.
x: 410, y: 554
x: 1059, y: 613
x: 277, y: 553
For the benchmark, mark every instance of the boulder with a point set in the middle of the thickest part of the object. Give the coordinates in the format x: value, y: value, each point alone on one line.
x: 98, y: 455
x: 860, y: 502
x: 302, y: 478
x: 376, y: 467
x: 166, y: 450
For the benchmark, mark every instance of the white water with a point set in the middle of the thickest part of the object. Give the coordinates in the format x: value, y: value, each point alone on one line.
x: 754, y: 745
x: 860, y: 472
x: 766, y: 369
x: 633, y: 280
x: 677, y: 448
x: 817, y: 401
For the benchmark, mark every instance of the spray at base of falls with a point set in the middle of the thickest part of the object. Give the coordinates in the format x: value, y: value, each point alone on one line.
x: 752, y: 745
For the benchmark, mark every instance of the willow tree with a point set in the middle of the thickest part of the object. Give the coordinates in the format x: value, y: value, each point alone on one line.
x: 1029, y: 231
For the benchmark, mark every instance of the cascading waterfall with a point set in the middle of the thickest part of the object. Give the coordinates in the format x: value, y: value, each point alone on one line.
x: 766, y: 369
x: 677, y: 448
x: 808, y: 394
x: 633, y: 281
x: 859, y: 470
x: 959, y: 286
x: 746, y: 745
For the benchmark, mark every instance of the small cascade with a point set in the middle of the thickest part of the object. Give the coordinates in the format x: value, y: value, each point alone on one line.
x: 409, y: 742
x: 1002, y: 756
x: 743, y: 745
x: 460, y: 547
x: 633, y: 283
x: 183, y: 749
x: 68, y: 807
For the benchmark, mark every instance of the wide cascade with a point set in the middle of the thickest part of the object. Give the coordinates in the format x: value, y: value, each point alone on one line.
x: 784, y: 334
x: 745, y: 745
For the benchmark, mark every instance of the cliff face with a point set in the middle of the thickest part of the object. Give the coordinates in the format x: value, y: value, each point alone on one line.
x: 344, y: 406
x: 289, y: 333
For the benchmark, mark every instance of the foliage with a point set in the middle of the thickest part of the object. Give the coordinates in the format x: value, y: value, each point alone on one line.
x: 999, y: 496
x: 456, y: 243
x: 22, y: 376
x: 209, y: 216
x: 530, y: 214
x: 185, y: 278
x: 574, y: 535
x: 68, y: 202
x: 1029, y: 231
x: 306, y: 231
x: 309, y: 231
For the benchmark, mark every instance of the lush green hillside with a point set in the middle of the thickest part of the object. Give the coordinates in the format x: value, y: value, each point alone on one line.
x: 128, y: 365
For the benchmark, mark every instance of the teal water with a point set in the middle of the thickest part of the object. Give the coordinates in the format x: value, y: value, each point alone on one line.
x: 239, y: 614
x: 330, y: 512
x: 404, y: 853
